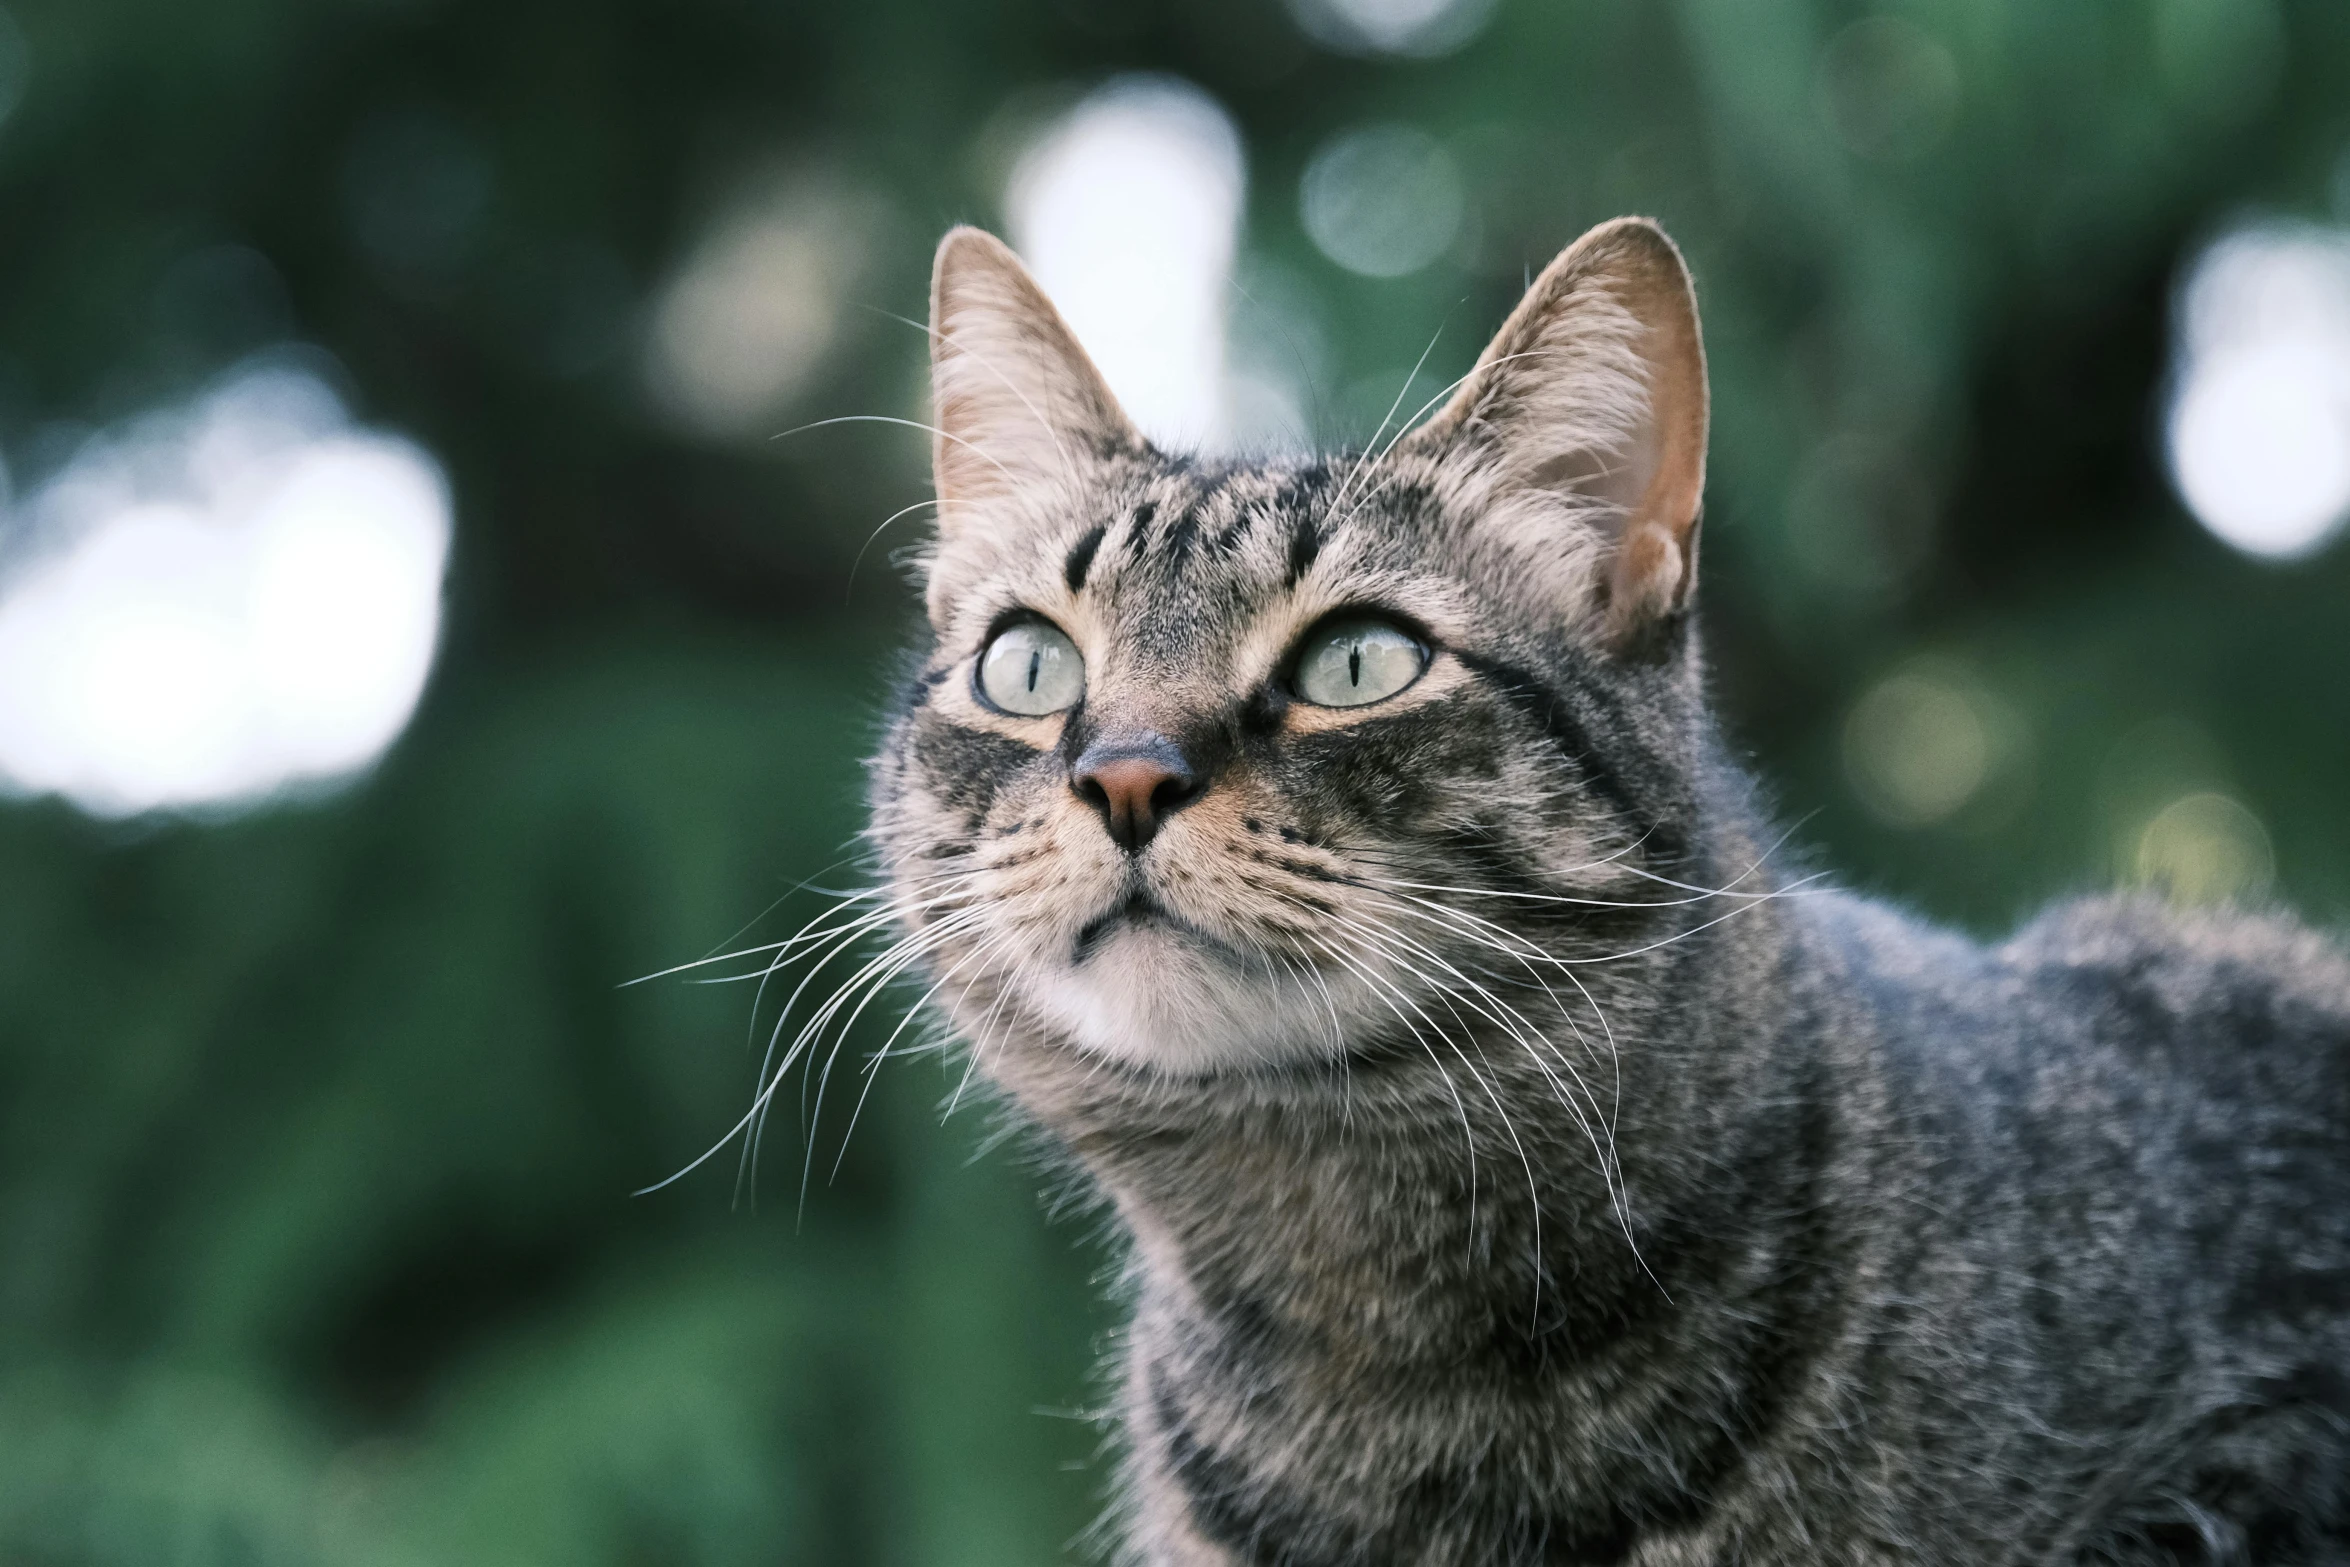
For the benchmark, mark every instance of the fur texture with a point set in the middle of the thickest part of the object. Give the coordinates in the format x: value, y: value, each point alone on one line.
x: 1521, y: 1166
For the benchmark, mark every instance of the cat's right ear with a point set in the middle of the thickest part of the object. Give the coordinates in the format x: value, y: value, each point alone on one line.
x: 1584, y: 425
x: 1016, y: 404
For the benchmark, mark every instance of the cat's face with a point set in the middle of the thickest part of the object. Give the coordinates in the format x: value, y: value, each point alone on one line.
x: 1215, y: 767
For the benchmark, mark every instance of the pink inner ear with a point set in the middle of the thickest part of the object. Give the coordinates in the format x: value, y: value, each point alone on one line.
x: 1650, y: 573
x: 1658, y: 477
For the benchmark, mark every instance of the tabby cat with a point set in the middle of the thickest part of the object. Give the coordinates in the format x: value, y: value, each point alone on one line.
x: 1335, y: 859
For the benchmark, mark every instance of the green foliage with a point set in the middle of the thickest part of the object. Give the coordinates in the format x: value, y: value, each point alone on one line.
x: 323, y: 1125
x: 321, y: 1122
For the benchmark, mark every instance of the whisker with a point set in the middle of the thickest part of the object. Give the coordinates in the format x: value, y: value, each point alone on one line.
x: 868, y: 981
x: 1392, y: 995
x: 1500, y: 1110
x: 859, y: 560
x: 1374, y: 459
x: 1474, y: 927
x: 1541, y: 1051
x: 871, y: 1071
x: 1401, y: 393
x: 1052, y: 432
x: 986, y: 949
x: 1468, y: 1134
x: 854, y: 895
x: 876, y: 969
x: 773, y: 1070
x: 911, y: 424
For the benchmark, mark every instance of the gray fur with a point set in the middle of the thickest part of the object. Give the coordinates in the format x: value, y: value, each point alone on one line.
x: 1639, y: 1200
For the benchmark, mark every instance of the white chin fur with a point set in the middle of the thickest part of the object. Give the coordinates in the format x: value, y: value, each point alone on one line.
x: 1152, y: 998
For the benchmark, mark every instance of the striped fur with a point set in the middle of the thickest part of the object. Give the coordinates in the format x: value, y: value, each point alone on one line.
x: 1521, y: 1164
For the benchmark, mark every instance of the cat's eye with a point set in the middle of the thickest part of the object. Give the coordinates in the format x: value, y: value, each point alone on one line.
x: 1031, y: 669
x: 1357, y: 661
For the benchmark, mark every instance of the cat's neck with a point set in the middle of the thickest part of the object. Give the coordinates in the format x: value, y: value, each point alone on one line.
x: 1427, y: 1197
x: 1445, y: 1271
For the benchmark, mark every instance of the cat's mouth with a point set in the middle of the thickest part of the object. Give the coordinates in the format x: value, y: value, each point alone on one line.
x: 1147, y: 981
x: 1139, y: 911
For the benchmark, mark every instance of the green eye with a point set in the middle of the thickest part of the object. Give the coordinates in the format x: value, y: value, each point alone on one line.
x: 1031, y: 669
x: 1354, y: 662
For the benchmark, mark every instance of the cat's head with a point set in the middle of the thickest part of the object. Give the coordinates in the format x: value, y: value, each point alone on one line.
x: 1214, y: 766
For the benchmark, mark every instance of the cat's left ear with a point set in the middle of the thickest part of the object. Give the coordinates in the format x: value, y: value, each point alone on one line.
x: 1019, y: 408
x: 1592, y: 398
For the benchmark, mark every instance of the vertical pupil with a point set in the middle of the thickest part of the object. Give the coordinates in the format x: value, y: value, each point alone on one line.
x: 1035, y: 665
x: 1354, y: 664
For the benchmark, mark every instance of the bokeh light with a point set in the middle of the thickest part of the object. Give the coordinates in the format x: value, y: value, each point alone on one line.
x: 2259, y: 426
x: 1923, y: 743
x: 2205, y: 847
x: 1128, y: 210
x: 1417, y: 28
x: 220, y: 600
x: 1888, y: 89
x: 750, y: 315
x: 1383, y: 200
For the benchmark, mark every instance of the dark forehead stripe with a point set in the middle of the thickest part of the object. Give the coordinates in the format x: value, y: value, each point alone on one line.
x: 1306, y: 488
x: 1279, y: 497
x: 1227, y: 538
x: 1305, y: 543
x: 1173, y: 540
x: 1182, y: 532
x: 1081, y: 555
x: 1138, y: 529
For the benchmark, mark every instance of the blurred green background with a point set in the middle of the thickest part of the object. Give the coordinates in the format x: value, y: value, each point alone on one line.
x: 322, y: 1114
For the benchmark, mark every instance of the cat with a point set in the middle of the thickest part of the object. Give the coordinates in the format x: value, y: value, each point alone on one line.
x: 1335, y: 860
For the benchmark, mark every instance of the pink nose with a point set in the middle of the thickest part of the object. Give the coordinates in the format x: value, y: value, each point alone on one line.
x: 1134, y: 784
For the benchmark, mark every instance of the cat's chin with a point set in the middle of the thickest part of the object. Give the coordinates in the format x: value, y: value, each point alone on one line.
x: 1185, y: 1005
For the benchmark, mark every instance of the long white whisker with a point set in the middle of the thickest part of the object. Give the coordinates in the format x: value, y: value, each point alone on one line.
x: 1527, y: 954
x: 911, y: 424
x: 909, y: 949
x: 1371, y: 462
x: 876, y: 969
x: 1052, y: 434
x: 1401, y: 393
x: 1703, y: 895
x: 1393, y: 995
x: 866, y: 982
x: 808, y: 934
x: 859, y: 560
x: 986, y: 1027
x: 840, y: 1037
x: 872, y: 1068
x: 1468, y: 1133
x: 1492, y: 1094
x: 1539, y: 1048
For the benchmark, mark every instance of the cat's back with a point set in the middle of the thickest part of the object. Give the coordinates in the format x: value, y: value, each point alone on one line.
x: 2123, y: 1013
x: 2190, y: 1069
x: 2237, y: 1020
x: 2106, y: 1188
x: 2129, y: 1076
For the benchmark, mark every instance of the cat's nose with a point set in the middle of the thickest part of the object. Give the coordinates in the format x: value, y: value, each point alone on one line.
x: 1134, y: 781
